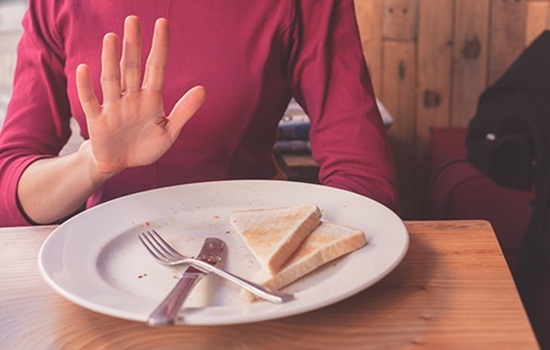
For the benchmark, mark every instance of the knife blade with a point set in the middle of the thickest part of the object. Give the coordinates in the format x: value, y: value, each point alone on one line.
x: 165, y: 314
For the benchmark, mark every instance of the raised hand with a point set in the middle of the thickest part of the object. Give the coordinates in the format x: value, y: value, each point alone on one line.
x: 130, y: 128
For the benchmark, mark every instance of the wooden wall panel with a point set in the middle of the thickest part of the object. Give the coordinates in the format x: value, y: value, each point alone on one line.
x: 369, y: 14
x: 399, y: 89
x: 470, y: 55
x: 434, y: 64
x: 538, y: 15
x: 508, y: 23
x: 434, y: 77
x: 400, y: 19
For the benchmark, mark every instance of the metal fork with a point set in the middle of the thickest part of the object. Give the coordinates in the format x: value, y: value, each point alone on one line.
x: 165, y: 254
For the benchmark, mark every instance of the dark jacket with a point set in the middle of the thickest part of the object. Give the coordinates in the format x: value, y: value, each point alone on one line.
x: 509, y: 140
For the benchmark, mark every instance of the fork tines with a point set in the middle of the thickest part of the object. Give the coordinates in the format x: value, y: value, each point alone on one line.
x: 158, y: 247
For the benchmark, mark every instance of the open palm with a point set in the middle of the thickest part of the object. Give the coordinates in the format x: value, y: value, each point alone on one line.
x: 130, y: 128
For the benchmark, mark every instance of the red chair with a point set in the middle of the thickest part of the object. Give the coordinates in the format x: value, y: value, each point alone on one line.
x: 458, y: 190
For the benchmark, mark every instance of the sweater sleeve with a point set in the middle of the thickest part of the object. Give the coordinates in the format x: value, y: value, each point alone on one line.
x: 38, y: 115
x: 330, y: 80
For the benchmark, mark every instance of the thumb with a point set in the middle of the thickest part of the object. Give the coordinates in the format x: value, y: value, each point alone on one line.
x: 185, y: 108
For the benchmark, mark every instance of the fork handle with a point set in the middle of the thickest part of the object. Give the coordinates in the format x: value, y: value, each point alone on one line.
x: 260, y: 291
x: 165, y: 314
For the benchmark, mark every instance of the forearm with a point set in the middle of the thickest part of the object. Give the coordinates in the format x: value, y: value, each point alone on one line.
x: 51, y: 189
x: 129, y: 128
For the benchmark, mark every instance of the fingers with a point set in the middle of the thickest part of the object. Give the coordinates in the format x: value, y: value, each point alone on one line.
x: 155, y: 69
x: 124, y: 75
x: 85, y: 91
x: 130, y: 64
x: 110, y: 72
x: 184, y: 109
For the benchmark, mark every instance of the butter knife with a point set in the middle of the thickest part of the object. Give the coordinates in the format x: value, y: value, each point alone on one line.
x: 165, y: 314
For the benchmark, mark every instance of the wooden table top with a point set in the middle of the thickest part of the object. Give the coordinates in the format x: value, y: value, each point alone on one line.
x: 452, y: 290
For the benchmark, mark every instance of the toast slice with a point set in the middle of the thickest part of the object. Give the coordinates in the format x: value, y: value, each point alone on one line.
x: 272, y: 235
x: 326, y: 243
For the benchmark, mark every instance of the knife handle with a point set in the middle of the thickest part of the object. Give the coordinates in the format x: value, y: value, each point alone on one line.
x: 165, y: 314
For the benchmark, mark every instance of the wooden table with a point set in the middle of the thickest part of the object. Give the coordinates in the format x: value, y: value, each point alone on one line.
x: 453, y: 290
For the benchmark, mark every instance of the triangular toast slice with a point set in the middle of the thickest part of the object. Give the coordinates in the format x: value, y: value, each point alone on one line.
x: 327, y: 242
x: 272, y: 235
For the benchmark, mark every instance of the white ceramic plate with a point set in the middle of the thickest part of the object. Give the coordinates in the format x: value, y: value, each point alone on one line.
x: 97, y: 261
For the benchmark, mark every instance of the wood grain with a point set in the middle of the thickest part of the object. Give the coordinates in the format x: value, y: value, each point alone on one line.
x: 435, y: 48
x: 470, y: 57
x: 400, y: 78
x: 452, y: 291
x: 538, y: 15
x: 508, y: 19
x: 369, y: 20
x: 400, y: 19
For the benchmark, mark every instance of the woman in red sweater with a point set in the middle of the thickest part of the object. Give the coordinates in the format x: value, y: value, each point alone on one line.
x: 251, y: 57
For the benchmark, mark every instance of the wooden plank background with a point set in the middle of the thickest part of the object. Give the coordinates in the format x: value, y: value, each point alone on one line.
x: 431, y: 59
